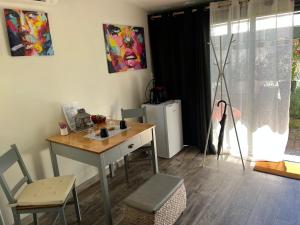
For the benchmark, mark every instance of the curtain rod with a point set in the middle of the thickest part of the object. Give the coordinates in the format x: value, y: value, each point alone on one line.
x: 173, y: 14
x: 225, y: 3
x: 219, y: 5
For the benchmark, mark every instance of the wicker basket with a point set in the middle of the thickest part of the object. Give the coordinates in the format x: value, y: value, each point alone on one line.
x: 166, y: 215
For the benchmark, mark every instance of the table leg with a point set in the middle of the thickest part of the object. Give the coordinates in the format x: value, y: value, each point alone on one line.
x: 104, y: 191
x: 54, y: 161
x: 154, y: 152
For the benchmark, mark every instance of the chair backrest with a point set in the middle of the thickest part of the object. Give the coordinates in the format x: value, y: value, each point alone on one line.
x: 134, y: 113
x: 6, y: 161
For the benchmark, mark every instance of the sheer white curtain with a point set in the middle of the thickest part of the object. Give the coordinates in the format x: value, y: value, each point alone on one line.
x: 258, y: 74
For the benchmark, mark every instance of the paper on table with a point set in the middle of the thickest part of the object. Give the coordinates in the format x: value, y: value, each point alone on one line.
x: 70, y: 110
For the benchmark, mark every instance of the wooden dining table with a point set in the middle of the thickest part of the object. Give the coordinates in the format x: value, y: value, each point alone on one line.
x: 101, y: 153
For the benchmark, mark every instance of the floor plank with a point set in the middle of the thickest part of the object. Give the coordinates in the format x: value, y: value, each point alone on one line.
x: 220, y: 193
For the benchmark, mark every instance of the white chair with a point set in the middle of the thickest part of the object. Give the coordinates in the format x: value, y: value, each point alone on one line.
x: 47, y: 195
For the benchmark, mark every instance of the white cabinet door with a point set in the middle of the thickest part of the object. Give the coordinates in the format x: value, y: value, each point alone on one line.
x: 174, y: 127
x: 155, y: 115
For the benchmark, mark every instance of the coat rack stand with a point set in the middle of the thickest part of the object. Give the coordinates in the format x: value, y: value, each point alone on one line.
x: 221, y: 78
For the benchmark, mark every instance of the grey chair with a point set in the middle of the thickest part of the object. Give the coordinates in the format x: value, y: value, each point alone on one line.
x: 42, y: 196
x: 1, y: 219
x: 141, y: 115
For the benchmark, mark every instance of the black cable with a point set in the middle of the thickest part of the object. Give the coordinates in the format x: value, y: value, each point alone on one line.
x: 152, y: 81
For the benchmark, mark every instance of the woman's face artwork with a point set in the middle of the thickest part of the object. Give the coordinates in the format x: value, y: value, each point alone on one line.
x: 125, y: 47
x: 28, y: 32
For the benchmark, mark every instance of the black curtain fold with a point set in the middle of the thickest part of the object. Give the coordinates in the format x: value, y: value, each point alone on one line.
x: 180, y: 60
x: 297, y: 5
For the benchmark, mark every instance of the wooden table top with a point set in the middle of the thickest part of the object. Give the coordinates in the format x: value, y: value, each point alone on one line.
x: 78, y: 140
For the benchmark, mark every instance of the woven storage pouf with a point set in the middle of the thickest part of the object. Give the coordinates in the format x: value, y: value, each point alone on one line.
x: 159, y: 201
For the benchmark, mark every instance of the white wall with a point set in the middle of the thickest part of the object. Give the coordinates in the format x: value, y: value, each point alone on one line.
x: 32, y: 89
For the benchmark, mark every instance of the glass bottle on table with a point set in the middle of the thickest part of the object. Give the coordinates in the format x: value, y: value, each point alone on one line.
x: 111, y: 124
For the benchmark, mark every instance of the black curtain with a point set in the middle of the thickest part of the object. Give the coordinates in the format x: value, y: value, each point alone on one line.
x: 180, y: 60
x: 297, y: 5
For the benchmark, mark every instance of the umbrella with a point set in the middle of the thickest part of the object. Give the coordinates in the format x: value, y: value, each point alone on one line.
x: 218, y: 111
x: 222, y: 123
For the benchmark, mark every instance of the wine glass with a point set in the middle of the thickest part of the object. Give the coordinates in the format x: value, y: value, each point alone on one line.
x: 110, y: 123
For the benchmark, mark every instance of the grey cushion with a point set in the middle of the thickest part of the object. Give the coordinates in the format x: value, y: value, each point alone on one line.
x: 153, y: 194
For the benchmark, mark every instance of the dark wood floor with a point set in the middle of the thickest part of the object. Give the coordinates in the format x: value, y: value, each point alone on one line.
x: 218, y: 194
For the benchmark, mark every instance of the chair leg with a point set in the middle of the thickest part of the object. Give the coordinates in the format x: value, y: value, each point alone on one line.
x: 126, y: 167
x: 76, y: 204
x: 111, y: 170
x: 35, y: 219
x: 127, y: 160
x: 17, y: 217
x: 56, y: 218
x: 150, y: 156
x: 1, y: 219
x: 63, y: 217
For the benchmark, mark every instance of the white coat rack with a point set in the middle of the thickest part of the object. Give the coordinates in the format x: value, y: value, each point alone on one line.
x: 221, y: 77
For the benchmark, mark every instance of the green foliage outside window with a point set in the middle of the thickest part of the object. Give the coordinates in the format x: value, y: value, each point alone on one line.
x: 296, y: 60
x: 295, y: 91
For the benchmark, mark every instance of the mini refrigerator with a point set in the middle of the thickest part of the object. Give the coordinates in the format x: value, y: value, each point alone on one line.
x: 167, y: 118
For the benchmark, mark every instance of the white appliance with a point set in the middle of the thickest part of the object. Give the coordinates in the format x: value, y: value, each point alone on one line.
x: 167, y: 118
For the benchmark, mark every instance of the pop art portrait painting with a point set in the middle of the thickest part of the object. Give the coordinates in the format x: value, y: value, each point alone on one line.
x: 125, y: 47
x: 28, y: 33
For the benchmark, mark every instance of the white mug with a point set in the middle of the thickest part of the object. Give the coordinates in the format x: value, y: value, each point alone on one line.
x: 64, y: 131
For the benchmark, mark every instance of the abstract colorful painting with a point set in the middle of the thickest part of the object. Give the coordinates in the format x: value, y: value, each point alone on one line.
x: 125, y: 47
x: 28, y: 33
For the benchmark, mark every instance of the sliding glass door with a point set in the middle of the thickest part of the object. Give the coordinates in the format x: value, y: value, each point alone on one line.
x: 258, y: 74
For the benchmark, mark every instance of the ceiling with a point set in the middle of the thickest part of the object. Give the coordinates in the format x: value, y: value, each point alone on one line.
x: 162, y: 5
